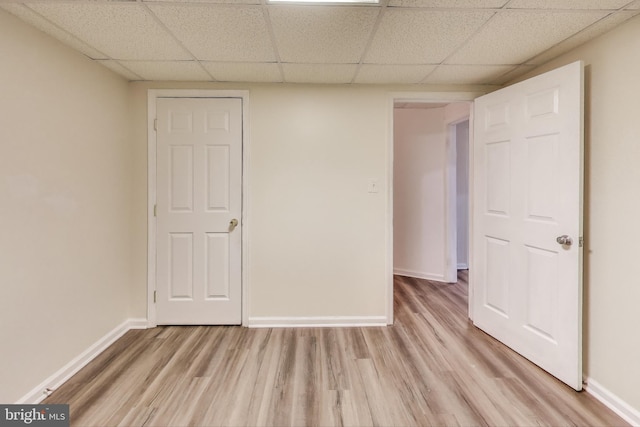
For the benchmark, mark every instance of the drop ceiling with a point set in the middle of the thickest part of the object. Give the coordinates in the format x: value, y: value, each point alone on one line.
x: 484, y: 42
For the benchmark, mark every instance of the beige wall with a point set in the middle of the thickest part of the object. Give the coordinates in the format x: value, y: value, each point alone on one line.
x: 317, y: 238
x: 65, y: 171
x: 612, y: 207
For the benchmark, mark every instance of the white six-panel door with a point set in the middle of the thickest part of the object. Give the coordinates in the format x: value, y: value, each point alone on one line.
x: 527, y: 178
x: 199, y: 201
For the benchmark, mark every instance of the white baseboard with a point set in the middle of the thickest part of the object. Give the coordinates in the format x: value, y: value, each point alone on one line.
x: 317, y: 322
x: 419, y: 275
x: 140, y: 323
x: 44, y: 389
x: 613, y: 402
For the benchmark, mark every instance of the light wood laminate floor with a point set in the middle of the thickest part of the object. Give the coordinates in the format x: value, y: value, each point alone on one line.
x: 431, y: 368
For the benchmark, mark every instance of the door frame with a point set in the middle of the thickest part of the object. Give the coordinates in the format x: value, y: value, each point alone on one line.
x: 427, y: 98
x: 152, y: 97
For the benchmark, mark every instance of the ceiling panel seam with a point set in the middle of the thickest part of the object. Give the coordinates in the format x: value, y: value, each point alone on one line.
x: 272, y: 37
x: 498, y: 44
x: 176, y: 39
x: 532, y: 60
x: 383, y: 8
x: 461, y: 45
x: 73, y: 36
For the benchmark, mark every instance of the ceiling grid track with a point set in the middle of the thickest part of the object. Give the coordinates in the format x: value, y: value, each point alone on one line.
x: 374, y: 30
x: 178, y: 41
x: 443, y: 62
x: 475, y: 44
x: 272, y: 36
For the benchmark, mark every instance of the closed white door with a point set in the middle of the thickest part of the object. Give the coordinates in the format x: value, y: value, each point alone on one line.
x: 199, y: 206
x: 527, y: 222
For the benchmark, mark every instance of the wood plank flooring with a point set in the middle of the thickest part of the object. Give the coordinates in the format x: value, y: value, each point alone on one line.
x: 432, y: 368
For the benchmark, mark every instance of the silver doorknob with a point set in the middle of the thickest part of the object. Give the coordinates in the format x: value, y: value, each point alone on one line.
x: 233, y: 224
x: 564, y: 240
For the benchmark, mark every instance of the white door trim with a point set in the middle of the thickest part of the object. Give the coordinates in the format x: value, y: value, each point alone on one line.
x: 423, y: 97
x: 152, y: 96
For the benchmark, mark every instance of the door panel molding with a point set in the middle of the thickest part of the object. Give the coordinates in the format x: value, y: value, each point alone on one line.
x: 152, y: 96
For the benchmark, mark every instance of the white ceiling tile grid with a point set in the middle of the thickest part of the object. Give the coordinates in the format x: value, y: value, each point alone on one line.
x: 123, y: 30
x: 568, y: 4
x: 514, y: 73
x: 47, y: 26
x: 244, y: 72
x: 634, y: 5
x: 453, y: 4
x: 208, y: 1
x: 120, y: 69
x: 219, y: 33
x: 386, y: 74
x: 312, y: 73
x: 595, y: 30
x: 513, y: 37
x: 485, y: 42
x: 320, y: 35
x: 467, y: 74
x: 418, y: 36
x: 168, y: 70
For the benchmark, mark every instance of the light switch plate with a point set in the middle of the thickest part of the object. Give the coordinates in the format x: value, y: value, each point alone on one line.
x: 373, y: 186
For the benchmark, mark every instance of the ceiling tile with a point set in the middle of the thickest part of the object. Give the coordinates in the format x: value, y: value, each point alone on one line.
x: 582, y: 37
x: 319, y: 73
x: 120, y: 30
x: 414, y: 36
x: 466, y: 74
x: 458, y: 4
x: 119, y: 69
x: 567, y: 4
x: 480, y: 41
x: 168, y: 70
x: 244, y: 72
x: 314, y: 34
x: 219, y: 33
x: 513, y: 37
x: 393, y: 73
x: 206, y: 1
x: 513, y: 74
x: 33, y: 18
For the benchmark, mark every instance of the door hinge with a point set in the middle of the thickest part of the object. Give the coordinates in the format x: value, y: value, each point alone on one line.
x: 581, y: 241
x: 155, y: 210
x: 155, y: 294
x: 155, y: 124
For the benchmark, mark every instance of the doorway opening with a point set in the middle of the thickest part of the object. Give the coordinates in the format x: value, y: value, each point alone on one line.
x: 431, y: 190
x: 430, y: 212
x: 526, y: 270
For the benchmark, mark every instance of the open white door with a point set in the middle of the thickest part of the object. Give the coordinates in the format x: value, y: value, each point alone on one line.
x: 199, y: 206
x: 527, y: 219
